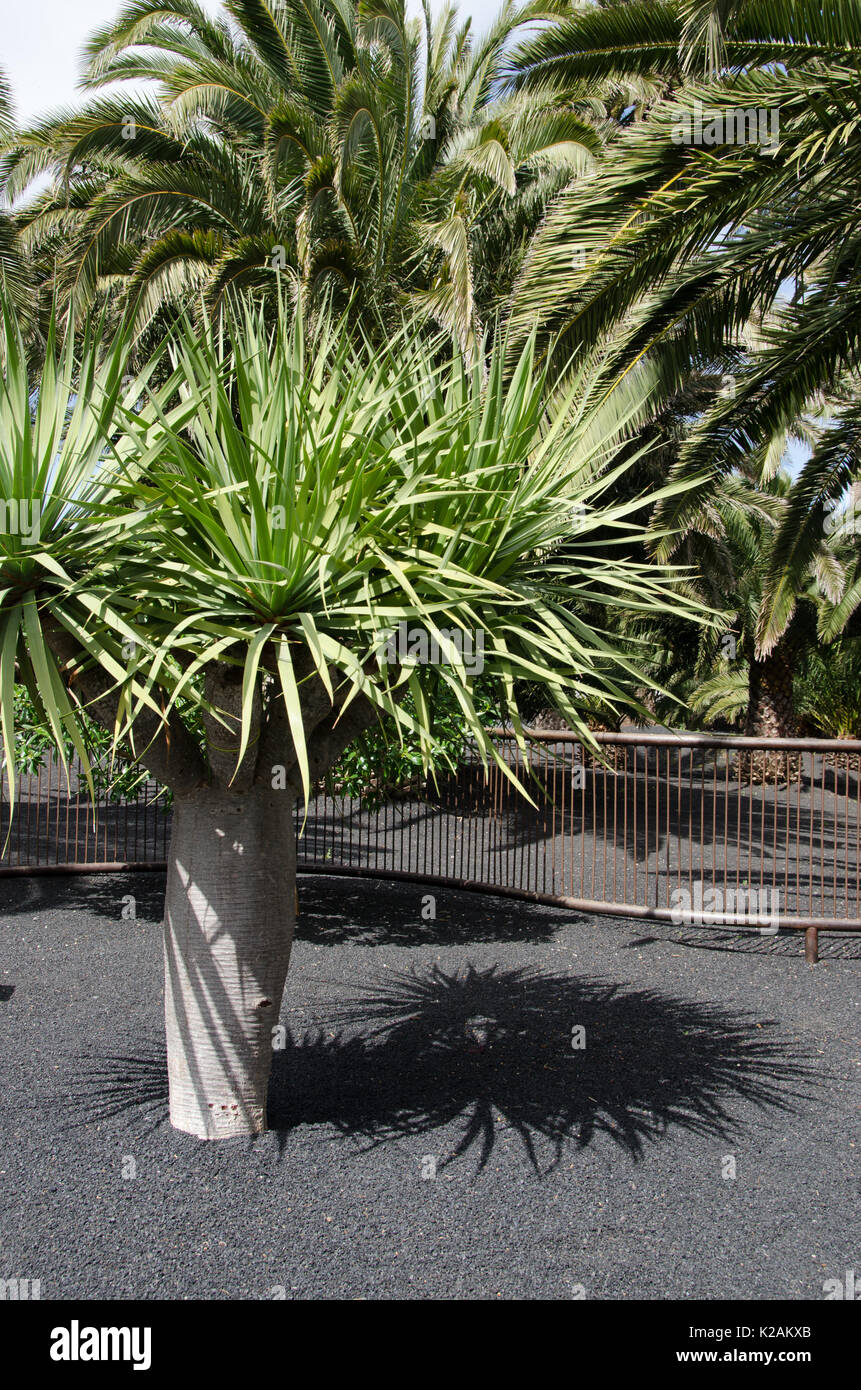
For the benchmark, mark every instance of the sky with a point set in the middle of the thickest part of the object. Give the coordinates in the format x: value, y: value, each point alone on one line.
x: 41, y: 42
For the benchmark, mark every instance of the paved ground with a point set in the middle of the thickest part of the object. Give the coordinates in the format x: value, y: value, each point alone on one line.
x: 439, y: 1046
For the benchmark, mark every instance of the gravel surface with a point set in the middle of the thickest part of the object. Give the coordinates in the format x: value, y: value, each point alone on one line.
x: 435, y: 1132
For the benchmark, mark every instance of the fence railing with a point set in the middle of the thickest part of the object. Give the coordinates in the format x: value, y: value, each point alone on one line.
x: 689, y: 828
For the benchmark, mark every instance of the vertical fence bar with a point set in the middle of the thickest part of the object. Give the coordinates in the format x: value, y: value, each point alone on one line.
x: 858, y: 839
x: 487, y: 836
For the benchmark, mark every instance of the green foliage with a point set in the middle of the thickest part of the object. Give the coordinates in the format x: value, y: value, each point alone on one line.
x: 379, y: 767
x: 828, y: 688
x: 729, y: 544
x: 14, y: 277
x: 723, y: 698
x: 347, y: 149
x: 732, y: 255
x: 114, y: 778
x: 277, y: 504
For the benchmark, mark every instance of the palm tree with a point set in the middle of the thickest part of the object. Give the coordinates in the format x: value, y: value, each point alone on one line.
x: 688, y: 243
x: 353, y: 150
x: 13, y: 272
x: 720, y: 672
x: 758, y: 686
x: 212, y: 569
x: 830, y: 691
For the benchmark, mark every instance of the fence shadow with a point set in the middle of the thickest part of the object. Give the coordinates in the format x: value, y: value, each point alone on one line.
x: 685, y: 819
x: 623, y: 832
x: 334, y: 910
x: 424, y: 1051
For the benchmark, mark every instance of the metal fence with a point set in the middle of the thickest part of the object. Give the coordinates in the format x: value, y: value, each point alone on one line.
x: 687, y: 828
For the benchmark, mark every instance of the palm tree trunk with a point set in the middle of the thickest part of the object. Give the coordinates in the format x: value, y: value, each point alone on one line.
x: 770, y: 714
x: 228, y: 929
x: 771, y: 708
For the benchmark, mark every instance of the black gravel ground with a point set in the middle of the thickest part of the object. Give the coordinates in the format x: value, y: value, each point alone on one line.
x: 435, y: 1133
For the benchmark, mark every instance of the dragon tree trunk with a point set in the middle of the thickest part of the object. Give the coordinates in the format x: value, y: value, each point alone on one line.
x: 228, y: 930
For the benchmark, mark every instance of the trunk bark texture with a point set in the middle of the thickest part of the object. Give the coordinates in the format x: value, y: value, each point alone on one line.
x: 771, y: 714
x: 228, y: 930
x: 771, y: 710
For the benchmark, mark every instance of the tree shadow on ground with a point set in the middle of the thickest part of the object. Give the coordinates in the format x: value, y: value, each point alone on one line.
x: 481, y: 1049
x: 373, y: 912
x: 332, y: 909
x: 102, y: 894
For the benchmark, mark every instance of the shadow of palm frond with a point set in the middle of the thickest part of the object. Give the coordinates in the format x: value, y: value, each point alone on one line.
x: 557, y: 1058
x: 428, y: 1049
x: 112, y: 1084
